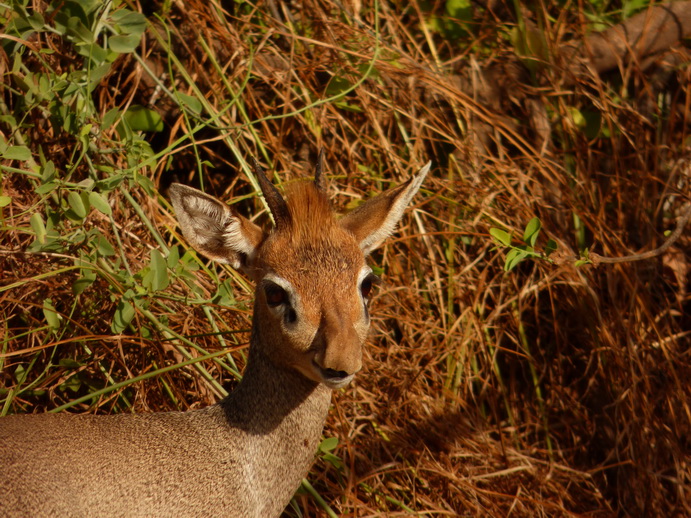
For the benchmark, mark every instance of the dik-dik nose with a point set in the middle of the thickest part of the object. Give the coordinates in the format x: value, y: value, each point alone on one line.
x: 338, y: 350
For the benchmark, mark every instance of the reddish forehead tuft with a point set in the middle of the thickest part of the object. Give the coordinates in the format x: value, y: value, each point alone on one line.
x: 310, y: 211
x: 312, y: 238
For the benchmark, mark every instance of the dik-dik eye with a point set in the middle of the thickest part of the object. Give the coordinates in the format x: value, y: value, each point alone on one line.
x: 367, y: 284
x: 278, y: 298
x: 275, y: 295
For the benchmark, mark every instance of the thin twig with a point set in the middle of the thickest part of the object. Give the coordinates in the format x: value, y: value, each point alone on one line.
x: 597, y: 259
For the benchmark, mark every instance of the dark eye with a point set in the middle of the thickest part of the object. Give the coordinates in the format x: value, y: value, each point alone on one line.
x: 367, y: 283
x: 275, y: 295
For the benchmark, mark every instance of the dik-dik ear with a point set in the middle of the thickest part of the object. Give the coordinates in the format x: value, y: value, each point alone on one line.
x: 213, y: 229
x: 373, y: 221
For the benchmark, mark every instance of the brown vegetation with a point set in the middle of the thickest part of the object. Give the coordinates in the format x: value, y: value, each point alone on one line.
x: 550, y: 390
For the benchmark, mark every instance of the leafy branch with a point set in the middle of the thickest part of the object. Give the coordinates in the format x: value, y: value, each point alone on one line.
x: 518, y: 253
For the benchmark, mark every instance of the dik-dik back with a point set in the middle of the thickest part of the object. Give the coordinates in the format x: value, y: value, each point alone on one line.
x: 246, y: 455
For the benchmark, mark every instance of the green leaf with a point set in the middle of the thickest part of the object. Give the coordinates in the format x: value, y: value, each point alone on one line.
x: 10, y: 121
x: 73, y: 384
x: 631, y: 7
x: 51, y: 316
x: 21, y: 153
x: 102, y: 245
x: 46, y: 188
x: 98, y: 73
x: 93, y: 51
x: 550, y: 247
x: 342, y: 105
x: 48, y: 173
x: 328, y: 444
x: 332, y: 459
x: 124, y: 314
x: 225, y: 295
x: 593, y: 123
x: 99, y: 201
x: 338, y: 86
x: 145, y: 183
x: 514, y: 257
x: 39, y: 227
x: 129, y: 22
x: 139, y: 118
x: 578, y: 118
x: 5, y: 201
x: 36, y: 21
x: 109, y: 118
x: 78, y: 32
x: 532, y: 231
x: 500, y: 235
x: 77, y: 204
x: 83, y: 282
x: 20, y: 373
x: 191, y: 103
x: 111, y: 182
x: 69, y: 363
x: 159, y: 270
x: 173, y: 257
x: 460, y: 9
x: 124, y: 44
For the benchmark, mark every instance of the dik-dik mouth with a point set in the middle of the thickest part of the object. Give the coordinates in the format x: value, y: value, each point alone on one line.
x: 332, y: 378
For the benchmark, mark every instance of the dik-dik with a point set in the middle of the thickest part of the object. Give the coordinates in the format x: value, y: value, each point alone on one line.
x: 246, y: 455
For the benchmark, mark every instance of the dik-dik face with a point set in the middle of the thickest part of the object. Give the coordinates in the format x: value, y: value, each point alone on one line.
x: 312, y: 297
x: 313, y: 283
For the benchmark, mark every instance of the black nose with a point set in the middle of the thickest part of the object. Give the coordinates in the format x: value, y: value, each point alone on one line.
x: 333, y: 374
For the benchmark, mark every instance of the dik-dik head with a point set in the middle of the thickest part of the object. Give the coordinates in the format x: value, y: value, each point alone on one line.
x: 312, y: 281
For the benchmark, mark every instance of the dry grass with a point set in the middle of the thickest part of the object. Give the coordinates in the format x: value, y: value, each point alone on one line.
x: 550, y: 390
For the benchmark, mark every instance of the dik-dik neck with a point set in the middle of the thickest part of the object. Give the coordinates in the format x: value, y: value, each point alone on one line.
x: 281, y: 415
x: 272, y: 398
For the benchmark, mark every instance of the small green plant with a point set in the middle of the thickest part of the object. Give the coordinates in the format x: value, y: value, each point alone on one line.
x: 518, y: 253
x: 455, y: 22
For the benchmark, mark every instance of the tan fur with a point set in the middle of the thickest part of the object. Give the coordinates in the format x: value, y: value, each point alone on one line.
x: 245, y: 456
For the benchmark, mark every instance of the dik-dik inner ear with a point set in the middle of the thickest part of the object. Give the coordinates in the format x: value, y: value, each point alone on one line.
x: 375, y: 220
x: 213, y: 229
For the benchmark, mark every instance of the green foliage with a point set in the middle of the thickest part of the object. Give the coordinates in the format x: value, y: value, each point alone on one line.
x: 96, y: 32
x: 455, y: 23
x: 155, y: 276
x: 51, y: 316
x: 139, y: 118
x: 518, y: 253
x: 224, y: 295
x: 21, y: 153
x: 124, y: 314
x: 589, y: 121
x: 602, y: 16
x: 105, y: 168
x: 326, y: 449
x: 531, y: 46
x: 584, y: 259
